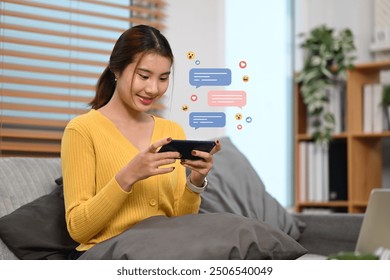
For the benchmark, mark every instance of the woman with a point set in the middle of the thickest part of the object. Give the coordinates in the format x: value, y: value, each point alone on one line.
x: 113, y: 175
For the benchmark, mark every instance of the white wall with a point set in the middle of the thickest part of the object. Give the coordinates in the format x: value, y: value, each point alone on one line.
x: 259, y: 32
x: 338, y: 14
x: 197, y: 26
x: 222, y: 33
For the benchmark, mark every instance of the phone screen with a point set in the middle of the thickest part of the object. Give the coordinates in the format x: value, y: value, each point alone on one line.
x: 185, y: 147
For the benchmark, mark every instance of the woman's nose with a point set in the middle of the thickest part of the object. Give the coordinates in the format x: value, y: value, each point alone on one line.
x: 152, y: 87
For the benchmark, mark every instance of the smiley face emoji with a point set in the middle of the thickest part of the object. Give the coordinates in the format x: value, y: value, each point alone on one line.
x: 190, y: 55
x: 238, y: 116
x: 184, y: 108
x: 245, y: 78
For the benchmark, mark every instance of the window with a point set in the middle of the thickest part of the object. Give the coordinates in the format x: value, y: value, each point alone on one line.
x: 52, y: 53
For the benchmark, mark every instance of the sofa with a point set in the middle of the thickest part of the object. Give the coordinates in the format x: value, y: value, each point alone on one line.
x: 32, y: 217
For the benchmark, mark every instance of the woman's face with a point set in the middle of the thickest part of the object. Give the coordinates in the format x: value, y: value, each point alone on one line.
x: 143, y: 82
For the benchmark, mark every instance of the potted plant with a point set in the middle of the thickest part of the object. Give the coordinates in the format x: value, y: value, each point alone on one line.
x: 386, y: 104
x: 327, y: 59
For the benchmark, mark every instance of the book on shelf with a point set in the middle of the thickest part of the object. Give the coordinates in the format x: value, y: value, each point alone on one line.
x: 336, y: 106
x: 325, y: 191
x: 316, y: 188
x: 384, y: 76
x: 377, y: 108
x: 338, y: 173
x: 323, y: 171
x: 319, y: 211
x: 303, y: 171
x: 374, y: 116
x: 367, y: 108
x: 310, y: 167
x: 314, y: 172
x: 374, y: 119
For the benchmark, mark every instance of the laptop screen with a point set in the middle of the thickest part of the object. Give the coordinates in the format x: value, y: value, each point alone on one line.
x: 375, y: 230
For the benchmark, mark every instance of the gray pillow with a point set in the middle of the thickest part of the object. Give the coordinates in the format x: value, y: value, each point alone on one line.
x: 37, y: 230
x: 235, y: 187
x: 218, y: 236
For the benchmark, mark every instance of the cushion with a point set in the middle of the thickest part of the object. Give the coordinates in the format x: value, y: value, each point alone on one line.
x: 37, y: 230
x: 24, y: 179
x: 217, y: 236
x: 235, y: 187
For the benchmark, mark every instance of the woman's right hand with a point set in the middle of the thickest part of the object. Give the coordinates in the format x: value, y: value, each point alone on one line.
x: 147, y: 163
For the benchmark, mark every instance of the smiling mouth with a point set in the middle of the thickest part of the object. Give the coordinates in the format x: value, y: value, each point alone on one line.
x: 145, y: 100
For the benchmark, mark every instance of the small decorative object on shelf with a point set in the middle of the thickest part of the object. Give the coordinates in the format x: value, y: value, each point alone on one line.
x: 328, y: 57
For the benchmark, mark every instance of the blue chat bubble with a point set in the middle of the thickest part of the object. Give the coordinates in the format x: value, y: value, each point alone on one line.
x: 210, y: 77
x: 207, y: 119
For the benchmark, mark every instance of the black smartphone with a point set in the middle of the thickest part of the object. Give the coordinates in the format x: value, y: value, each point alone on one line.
x: 185, y: 147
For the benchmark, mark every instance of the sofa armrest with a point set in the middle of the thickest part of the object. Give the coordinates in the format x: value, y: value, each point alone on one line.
x: 326, y: 234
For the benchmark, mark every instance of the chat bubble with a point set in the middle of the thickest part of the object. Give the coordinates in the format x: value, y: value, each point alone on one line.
x: 210, y: 77
x: 227, y: 98
x: 207, y: 119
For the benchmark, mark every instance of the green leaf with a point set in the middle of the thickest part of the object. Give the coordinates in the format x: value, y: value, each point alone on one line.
x: 328, y: 56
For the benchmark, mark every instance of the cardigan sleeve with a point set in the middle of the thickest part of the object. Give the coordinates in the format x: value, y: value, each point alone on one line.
x: 84, y: 207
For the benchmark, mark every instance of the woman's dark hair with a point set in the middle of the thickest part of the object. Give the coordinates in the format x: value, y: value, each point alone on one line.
x: 137, y: 40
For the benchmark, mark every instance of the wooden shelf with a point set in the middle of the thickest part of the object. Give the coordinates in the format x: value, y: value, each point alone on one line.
x: 371, y: 135
x: 340, y: 203
x: 307, y: 137
x: 364, y: 150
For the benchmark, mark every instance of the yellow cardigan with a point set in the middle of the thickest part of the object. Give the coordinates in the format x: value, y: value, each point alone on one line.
x: 93, y: 151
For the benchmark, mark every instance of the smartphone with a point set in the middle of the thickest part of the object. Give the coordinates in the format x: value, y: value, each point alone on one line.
x: 185, y: 147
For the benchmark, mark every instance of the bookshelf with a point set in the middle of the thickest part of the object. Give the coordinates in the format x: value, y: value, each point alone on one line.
x: 363, y: 151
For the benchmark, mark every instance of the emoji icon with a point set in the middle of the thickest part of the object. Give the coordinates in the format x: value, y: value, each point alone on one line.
x: 184, y: 108
x: 248, y: 119
x: 238, y: 116
x: 245, y: 78
x: 242, y: 64
x: 197, y: 62
x: 194, y: 97
x: 190, y: 55
x: 239, y: 127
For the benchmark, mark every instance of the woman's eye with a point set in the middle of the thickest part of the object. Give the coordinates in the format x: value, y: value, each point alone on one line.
x: 143, y: 77
x: 163, y: 78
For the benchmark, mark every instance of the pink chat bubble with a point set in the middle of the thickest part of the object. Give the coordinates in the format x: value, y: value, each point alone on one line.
x: 227, y: 98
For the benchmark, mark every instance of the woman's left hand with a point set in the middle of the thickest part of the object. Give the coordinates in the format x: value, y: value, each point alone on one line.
x: 200, y: 168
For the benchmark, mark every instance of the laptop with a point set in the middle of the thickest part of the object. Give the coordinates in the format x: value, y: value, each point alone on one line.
x: 375, y: 230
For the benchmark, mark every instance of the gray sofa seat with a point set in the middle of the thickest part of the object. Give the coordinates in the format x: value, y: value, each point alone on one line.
x: 326, y: 234
x: 23, y: 180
